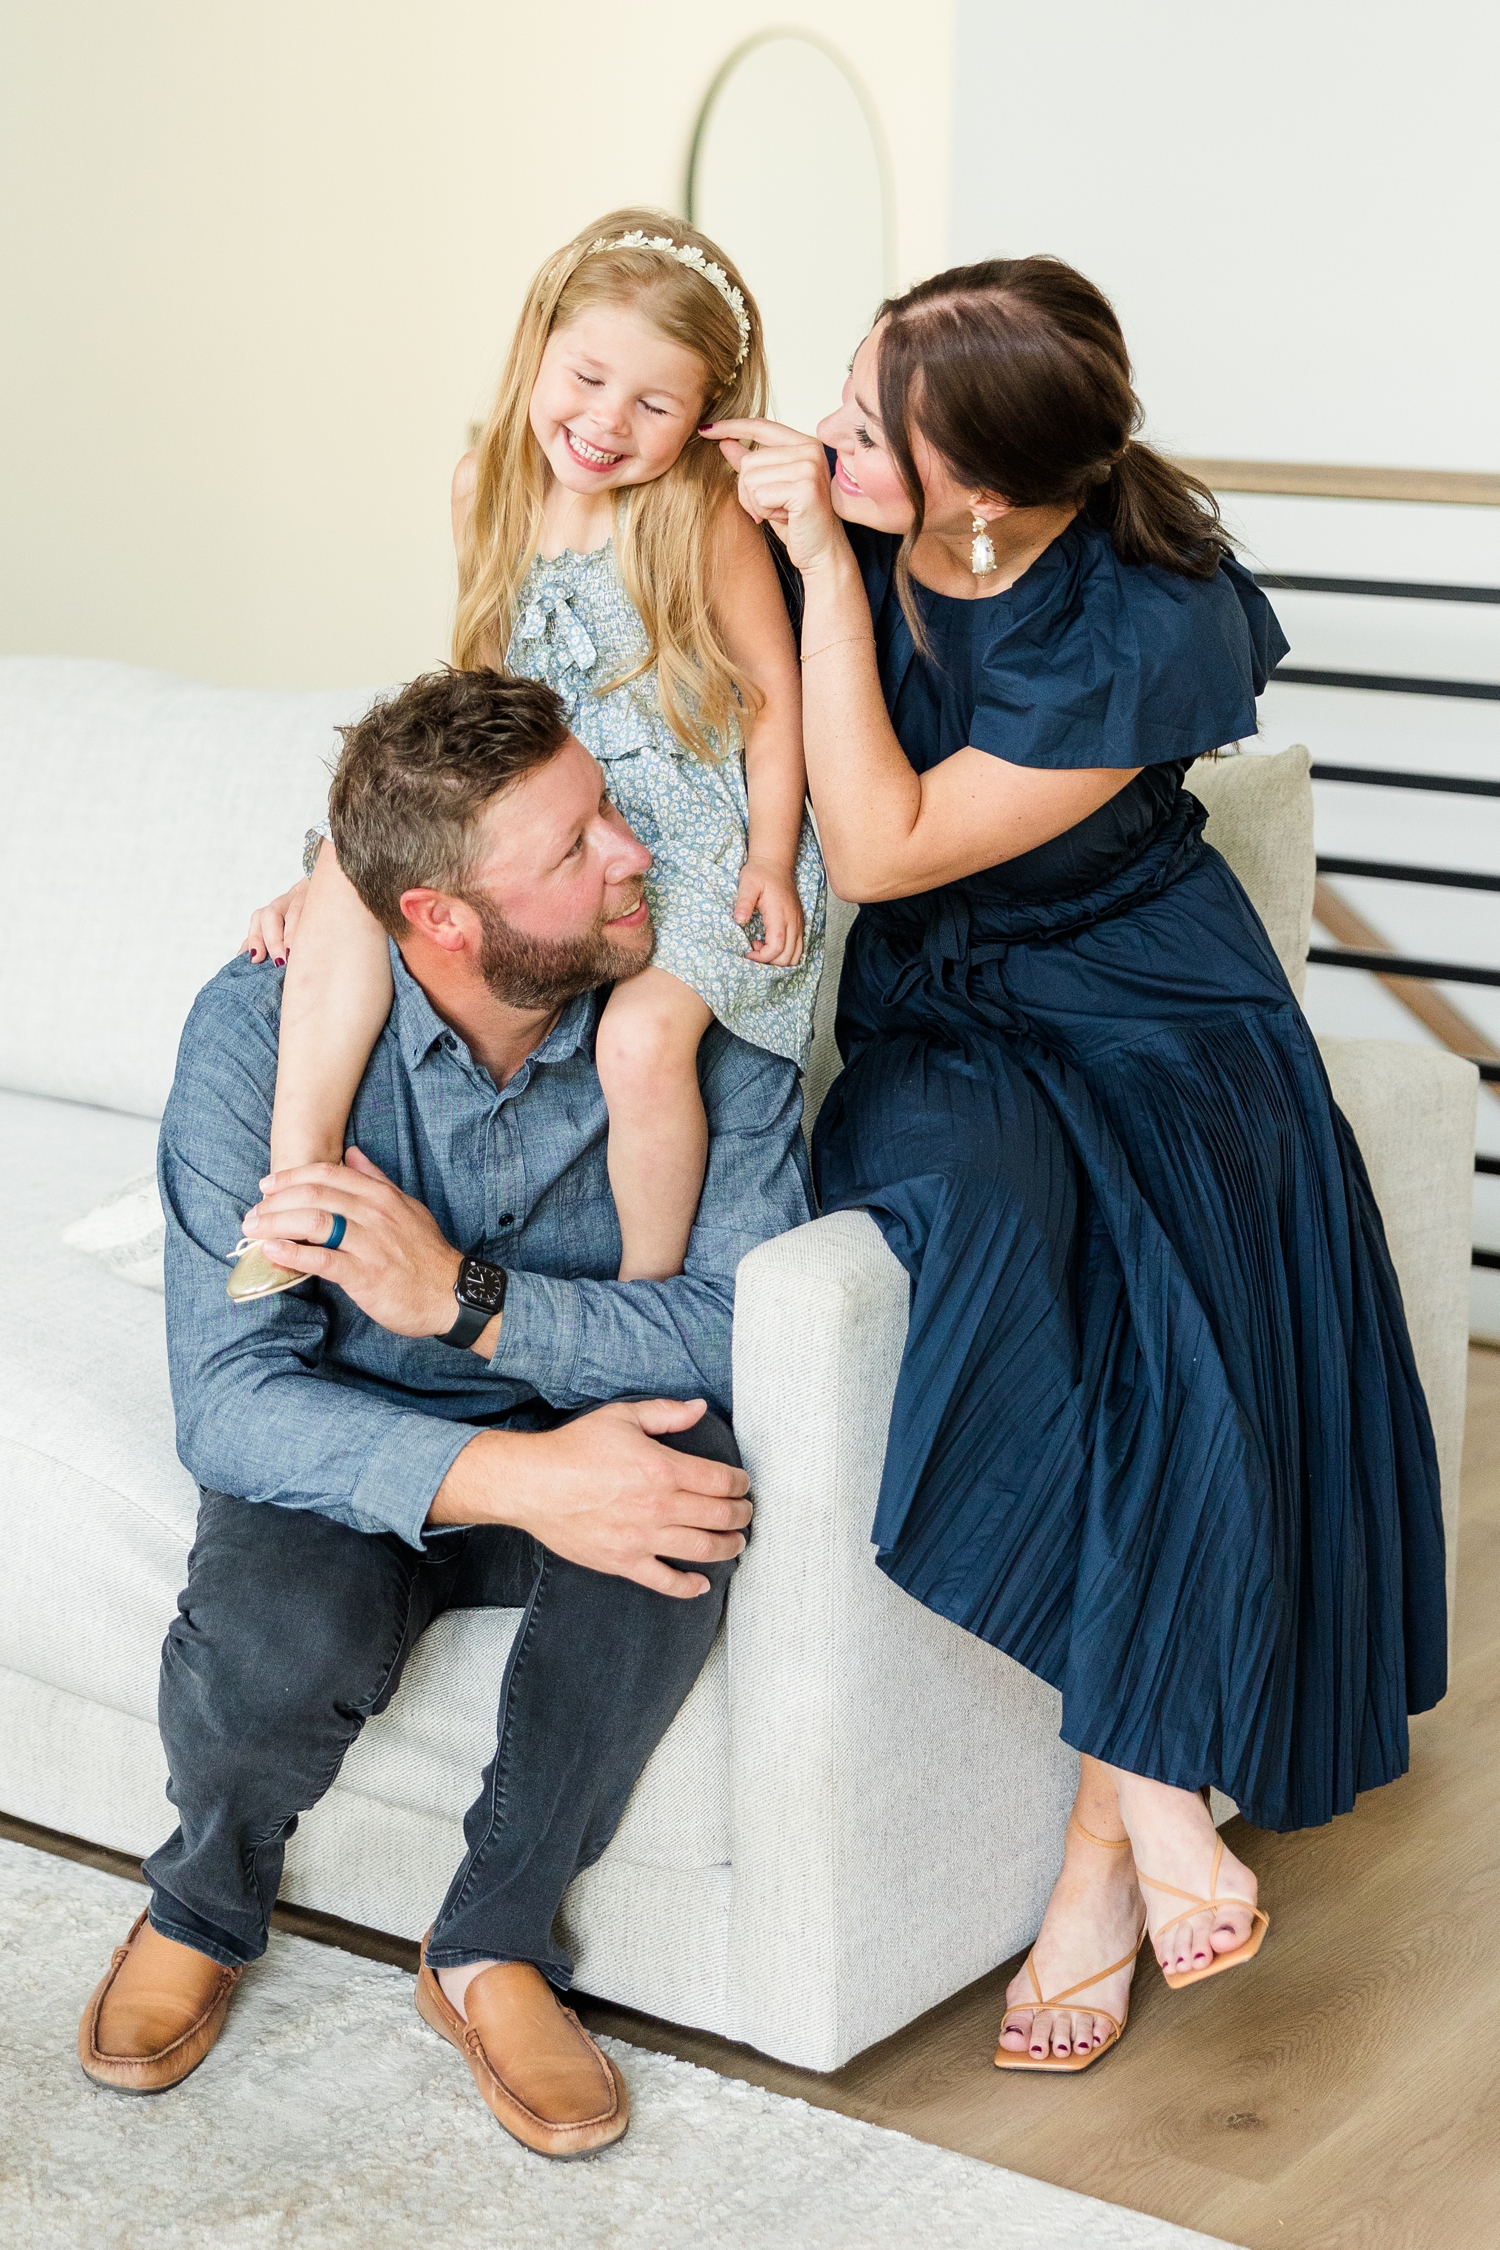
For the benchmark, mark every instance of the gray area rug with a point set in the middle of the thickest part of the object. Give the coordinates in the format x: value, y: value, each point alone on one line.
x: 330, y: 2118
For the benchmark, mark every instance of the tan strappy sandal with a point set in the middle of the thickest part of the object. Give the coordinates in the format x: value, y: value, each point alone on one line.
x: 1261, y: 1922
x: 1004, y: 2059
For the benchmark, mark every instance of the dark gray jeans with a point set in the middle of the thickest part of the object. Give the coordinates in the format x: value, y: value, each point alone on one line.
x: 292, y: 1630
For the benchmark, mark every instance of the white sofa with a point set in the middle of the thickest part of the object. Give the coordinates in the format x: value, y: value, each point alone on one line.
x: 859, y: 1808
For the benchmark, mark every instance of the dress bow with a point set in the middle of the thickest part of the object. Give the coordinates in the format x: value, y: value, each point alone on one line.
x: 551, y: 609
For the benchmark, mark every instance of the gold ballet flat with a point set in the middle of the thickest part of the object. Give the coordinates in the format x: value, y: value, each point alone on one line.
x: 255, y: 1276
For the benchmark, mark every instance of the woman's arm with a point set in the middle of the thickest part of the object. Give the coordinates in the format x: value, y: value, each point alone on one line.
x: 751, y: 616
x: 886, y: 831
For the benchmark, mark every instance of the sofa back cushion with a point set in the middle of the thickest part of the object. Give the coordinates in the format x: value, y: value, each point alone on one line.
x: 144, y: 816
x: 1260, y: 816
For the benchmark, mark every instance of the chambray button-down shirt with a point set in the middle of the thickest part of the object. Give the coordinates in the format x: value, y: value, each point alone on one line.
x: 302, y: 1401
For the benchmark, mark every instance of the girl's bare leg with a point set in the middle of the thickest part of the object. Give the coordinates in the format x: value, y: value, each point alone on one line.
x: 336, y: 997
x: 647, y: 1056
x: 1093, y: 1919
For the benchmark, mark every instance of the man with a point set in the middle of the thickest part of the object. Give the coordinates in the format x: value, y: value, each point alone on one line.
x: 373, y: 1452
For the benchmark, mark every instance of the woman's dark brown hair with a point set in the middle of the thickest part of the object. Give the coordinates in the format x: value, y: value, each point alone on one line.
x: 1016, y: 372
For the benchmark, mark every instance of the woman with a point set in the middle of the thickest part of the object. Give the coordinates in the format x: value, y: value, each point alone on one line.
x: 1158, y: 1432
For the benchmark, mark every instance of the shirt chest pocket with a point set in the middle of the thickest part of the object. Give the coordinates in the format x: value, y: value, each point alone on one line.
x: 573, y: 1231
x: 582, y: 1240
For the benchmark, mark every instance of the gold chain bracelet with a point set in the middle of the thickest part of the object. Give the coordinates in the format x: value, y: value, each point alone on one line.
x: 848, y: 641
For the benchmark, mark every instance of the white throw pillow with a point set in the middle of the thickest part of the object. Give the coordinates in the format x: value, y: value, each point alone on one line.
x: 126, y: 1233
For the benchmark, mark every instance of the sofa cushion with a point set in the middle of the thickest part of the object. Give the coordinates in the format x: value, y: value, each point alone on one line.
x: 97, y: 1514
x: 157, y: 812
x: 126, y: 1233
x: 1260, y: 816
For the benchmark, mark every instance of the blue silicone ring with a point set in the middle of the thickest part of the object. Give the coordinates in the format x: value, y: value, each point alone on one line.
x: 340, y: 1227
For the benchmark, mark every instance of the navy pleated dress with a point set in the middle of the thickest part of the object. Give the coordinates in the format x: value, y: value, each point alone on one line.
x: 1158, y: 1433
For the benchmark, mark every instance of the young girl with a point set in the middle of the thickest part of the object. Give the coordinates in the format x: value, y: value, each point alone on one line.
x: 601, y: 549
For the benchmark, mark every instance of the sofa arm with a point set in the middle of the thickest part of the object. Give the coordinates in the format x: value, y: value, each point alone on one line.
x: 1412, y: 1111
x: 897, y: 1788
x: 1260, y: 817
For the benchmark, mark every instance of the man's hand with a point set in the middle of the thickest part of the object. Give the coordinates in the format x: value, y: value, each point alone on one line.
x: 601, y: 1492
x: 393, y: 1260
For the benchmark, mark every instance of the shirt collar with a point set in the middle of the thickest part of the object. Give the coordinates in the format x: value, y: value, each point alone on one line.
x: 419, y: 1029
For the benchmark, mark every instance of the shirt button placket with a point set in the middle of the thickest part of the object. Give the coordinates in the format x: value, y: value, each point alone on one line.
x: 504, y: 1183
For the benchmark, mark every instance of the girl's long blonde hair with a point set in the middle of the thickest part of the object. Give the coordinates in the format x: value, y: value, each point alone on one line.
x: 663, y: 529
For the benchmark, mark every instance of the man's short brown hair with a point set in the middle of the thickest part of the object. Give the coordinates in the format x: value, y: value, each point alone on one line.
x: 417, y: 772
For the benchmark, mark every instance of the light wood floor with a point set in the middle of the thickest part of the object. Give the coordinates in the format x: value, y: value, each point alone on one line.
x: 1345, y: 2090
x: 1342, y: 2094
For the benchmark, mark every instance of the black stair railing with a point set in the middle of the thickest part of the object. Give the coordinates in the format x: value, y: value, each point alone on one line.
x: 1379, y: 777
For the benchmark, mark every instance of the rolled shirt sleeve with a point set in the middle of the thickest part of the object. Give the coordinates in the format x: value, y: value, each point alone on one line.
x: 257, y: 1415
x: 577, y: 1340
x: 299, y: 1401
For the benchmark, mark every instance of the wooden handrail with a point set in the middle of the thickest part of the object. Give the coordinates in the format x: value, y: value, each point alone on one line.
x: 1421, y: 1000
x: 1469, y: 488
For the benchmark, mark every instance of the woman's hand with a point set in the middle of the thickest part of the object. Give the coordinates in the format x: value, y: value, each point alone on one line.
x: 784, y: 481
x: 769, y: 890
x: 272, y: 927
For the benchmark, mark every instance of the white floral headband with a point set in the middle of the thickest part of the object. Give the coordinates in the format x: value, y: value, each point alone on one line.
x: 687, y: 254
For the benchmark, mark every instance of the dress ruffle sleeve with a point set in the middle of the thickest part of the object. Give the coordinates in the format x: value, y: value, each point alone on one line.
x: 1091, y: 662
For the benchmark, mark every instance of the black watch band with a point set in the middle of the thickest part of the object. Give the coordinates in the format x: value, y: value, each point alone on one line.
x: 480, y: 1294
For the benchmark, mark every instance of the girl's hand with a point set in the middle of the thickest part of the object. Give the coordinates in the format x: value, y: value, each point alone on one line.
x: 269, y: 936
x: 769, y: 890
x: 785, y: 482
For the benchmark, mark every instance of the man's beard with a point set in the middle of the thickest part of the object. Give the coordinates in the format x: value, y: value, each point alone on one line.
x: 527, y: 972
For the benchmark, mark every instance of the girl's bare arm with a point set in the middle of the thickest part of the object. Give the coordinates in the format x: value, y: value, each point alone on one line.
x: 746, y: 597
x: 334, y: 1002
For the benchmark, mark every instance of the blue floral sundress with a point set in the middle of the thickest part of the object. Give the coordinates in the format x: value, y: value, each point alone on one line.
x: 577, y: 630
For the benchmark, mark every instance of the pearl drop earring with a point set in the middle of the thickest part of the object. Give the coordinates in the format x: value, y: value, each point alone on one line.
x: 982, y: 553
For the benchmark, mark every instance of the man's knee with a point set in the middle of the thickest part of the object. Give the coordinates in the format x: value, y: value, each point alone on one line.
x: 710, y: 1438
x: 237, y: 1676
x: 274, y: 1641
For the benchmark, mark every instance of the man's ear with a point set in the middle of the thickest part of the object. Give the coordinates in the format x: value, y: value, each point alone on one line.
x: 443, y: 921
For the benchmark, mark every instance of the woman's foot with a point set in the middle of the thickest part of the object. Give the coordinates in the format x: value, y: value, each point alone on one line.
x: 1174, y: 1839
x: 1093, y: 1918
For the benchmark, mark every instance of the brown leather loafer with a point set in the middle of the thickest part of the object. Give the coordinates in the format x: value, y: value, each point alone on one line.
x: 155, y: 2015
x: 536, y: 2067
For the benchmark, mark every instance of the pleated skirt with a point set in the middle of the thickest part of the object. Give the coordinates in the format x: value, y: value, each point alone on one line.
x: 1158, y: 1432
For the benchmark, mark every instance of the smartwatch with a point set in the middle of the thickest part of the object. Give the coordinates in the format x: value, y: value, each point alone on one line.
x: 480, y: 1292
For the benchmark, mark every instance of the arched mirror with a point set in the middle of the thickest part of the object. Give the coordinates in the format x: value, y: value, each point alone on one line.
x: 788, y: 172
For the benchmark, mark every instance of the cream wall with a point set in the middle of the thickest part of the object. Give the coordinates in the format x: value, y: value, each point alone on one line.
x: 260, y: 266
